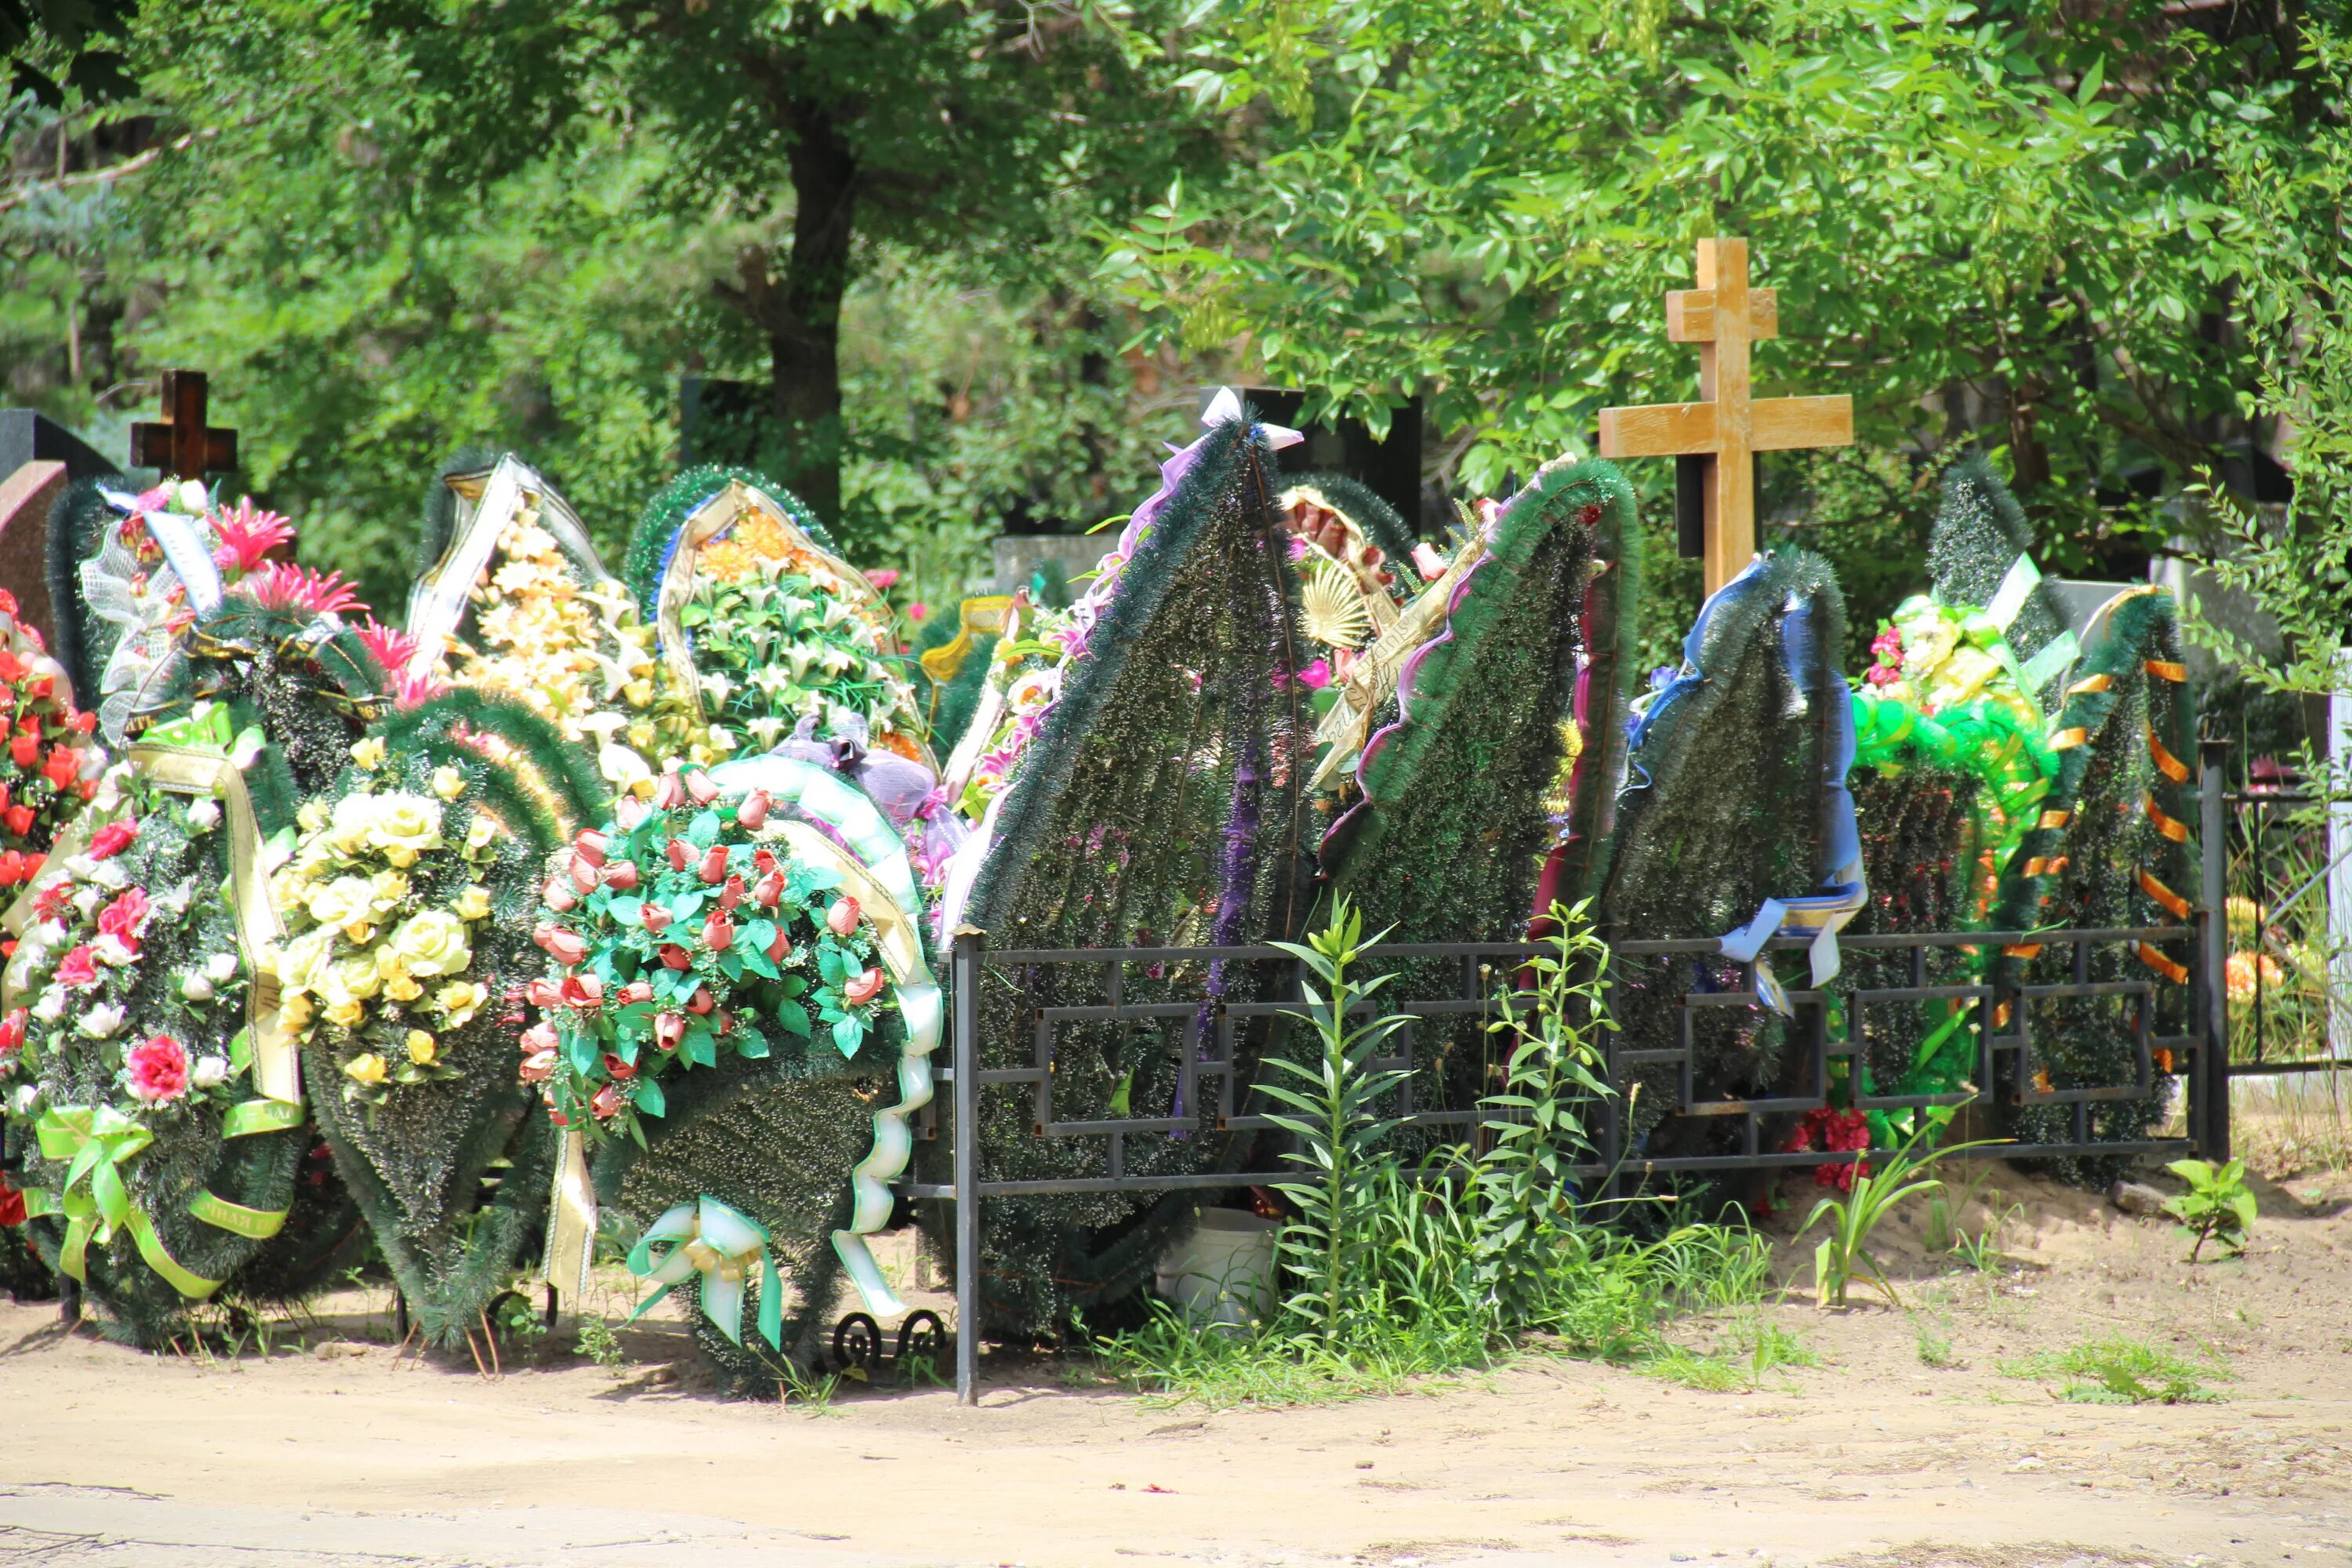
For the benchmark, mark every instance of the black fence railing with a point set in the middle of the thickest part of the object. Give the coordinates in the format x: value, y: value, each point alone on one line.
x: 2288, y: 994
x: 1215, y: 1035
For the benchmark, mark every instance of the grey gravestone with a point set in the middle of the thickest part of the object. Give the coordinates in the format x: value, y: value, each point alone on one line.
x: 1018, y: 554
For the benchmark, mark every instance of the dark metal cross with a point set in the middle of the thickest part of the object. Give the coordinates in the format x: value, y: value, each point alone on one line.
x: 183, y: 446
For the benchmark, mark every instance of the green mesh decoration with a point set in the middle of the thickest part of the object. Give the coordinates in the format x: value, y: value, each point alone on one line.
x: 433, y: 850
x: 1725, y: 807
x: 1448, y: 841
x: 2122, y: 856
x: 1159, y: 803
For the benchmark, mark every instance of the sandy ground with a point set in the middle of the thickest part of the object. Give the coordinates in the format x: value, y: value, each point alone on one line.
x: 332, y: 1452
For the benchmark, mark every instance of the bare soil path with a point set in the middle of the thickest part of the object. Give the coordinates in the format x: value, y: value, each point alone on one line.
x: 334, y: 1453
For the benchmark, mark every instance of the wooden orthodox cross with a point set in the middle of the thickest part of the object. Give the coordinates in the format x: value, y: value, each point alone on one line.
x: 1722, y: 433
x: 183, y: 446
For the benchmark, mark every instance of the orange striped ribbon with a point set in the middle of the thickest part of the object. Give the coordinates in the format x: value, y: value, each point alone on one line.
x: 2171, y: 766
x: 2041, y: 866
x: 2166, y: 669
x: 2176, y: 831
x: 2054, y: 819
x: 2172, y: 902
x: 2023, y: 949
x: 2176, y: 972
x: 2091, y: 683
x: 2067, y: 740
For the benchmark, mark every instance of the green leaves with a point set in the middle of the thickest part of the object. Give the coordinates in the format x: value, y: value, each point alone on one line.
x: 2218, y: 1206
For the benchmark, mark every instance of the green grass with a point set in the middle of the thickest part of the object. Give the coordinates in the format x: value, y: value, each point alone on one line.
x: 1934, y: 1346
x: 1749, y: 1351
x: 2120, y: 1370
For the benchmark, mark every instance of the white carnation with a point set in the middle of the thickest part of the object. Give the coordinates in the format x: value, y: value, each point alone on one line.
x: 52, y: 1005
x: 104, y: 1021
x: 209, y: 1072
x: 113, y: 952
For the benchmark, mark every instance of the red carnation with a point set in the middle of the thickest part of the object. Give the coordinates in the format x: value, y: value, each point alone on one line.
x: 158, y: 1070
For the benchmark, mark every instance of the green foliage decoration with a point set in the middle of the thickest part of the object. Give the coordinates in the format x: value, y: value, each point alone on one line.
x: 1149, y: 809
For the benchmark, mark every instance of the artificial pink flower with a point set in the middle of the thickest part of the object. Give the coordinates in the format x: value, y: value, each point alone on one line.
x: 1428, y: 561
x: 584, y: 876
x: 126, y: 918
x: 12, y: 1033
x: 621, y: 876
x: 392, y: 651
x: 544, y: 994
x: 558, y: 896
x: 591, y: 845
x: 670, y: 791
x: 714, y: 863
x: 779, y: 948
x: 537, y: 1068
x: 157, y: 1070
x: 862, y: 989
x: 719, y: 931
x: 277, y: 586
x: 565, y: 947
x: 884, y: 577
x: 698, y: 787
x: 919, y: 611
x: 680, y: 853
x: 247, y: 535
x: 585, y: 991
x: 114, y: 838
x: 701, y: 1002
x: 78, y: 968
x: 656, y: 916
x: 615, y: 1067
x: 676, y: 957
x: 635, y: 994
x: 539, y: 1037
x: 1315, y: 676
x: 630, y: 812
x: 731, y: 893
x: 607, y: 1103
x: 753, y: 815
x: 841, y: 917
x: 669, y: 1031
x: 771, y: 891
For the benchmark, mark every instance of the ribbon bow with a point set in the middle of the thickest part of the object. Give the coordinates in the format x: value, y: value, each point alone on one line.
x: 723, y: 1246
x: 97, y: 1139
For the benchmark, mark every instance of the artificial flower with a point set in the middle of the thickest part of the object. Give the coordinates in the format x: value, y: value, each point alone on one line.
x: 367, y: 1067
x: 209, y: 1072
x: 220, y: 967
x: 458, y: 1000
x: 472, y: 904
x: 341, y: 902
x: 203, y: 815
x: 423, y: 1049
x: 369, y: 754
x: 448, y: 782
x: 113, y: 839
x: 156, y: 1070
x: 104, y: 1021
x: 433, y: 943
x: 78, y: 970
x: 197, y: 986
x: 348, y: 1014
x: 404, y: 827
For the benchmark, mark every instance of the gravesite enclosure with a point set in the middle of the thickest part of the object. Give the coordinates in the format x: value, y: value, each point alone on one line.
x: 937, y: 784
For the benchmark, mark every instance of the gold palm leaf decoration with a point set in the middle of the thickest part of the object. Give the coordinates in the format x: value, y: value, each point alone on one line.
x: 1331, y: 609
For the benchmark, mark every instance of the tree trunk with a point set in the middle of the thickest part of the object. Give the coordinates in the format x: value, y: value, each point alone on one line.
x: 800, y: 311
x: 2029, y: 460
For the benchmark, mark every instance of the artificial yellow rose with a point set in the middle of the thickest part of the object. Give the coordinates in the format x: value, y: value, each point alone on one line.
x: 314, y: 814
x: 348, y: 828
x: 359, y: 932
x: 366, y: 1067
x: 386, y: 889
x: 369, y: 753
x: 422, y: 1048
x: 302, y: 964
x: 403, y: 987
x: 448, y: 782
x: 405, y: 826
x: 355, y: 979
x: 479, y: 835
x: 432, y: 943
x: 459, y: 1001
x: 294, y: 1013
x: 340, y: 903
x: 349, y: 1013
x: 473, y: 904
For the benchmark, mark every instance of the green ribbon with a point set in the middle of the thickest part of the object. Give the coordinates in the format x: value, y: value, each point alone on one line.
x: 723, y: 1246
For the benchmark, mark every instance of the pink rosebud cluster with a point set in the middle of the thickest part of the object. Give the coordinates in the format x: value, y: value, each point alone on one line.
x: 1886, y: 653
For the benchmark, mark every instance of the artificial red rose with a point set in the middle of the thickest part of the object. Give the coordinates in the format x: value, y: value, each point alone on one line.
x: 83, y: 723
x: 12, y: 668
x: 64, y: 766
x: 841, y: 916
x: 607, y: 1102
x: 544, y: 993
x: 700, y: 1002
x: 719, y: 933
x: 679, y: 852
x: 15, y: 868
x: 539, y: 1037
x: 670, y: 1030
x: 51, y: 901
x: 670, y: 791
x: 585, y: 992
x: 563, y: 946
x: 12, y: 1205
x: 656, y: 916
x: 24, y: 750
x: 558, y: 896
x: 753, y: 815
x: 615, y: 1067
x: 7, y: 603
x: 676, y: 957
x: 19, y: 819
x: 127, y: 916
x: 714, y: 864
x: 585, y: 876
x: 114, y: 838
x: 157, y: 1069
x: 590, y: 846
x: 779, y: 948
x: 862, y: 989
x: 635, y: 994
x: 12, y: 1031
x: 732, y: 894
x: 78, y: 968
x: 698, y: 787
x: 771, y: 891
x: 621, y: 876
x: 764, y: 861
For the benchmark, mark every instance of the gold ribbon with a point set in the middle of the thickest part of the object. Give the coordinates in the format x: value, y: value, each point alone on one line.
x: 2045, y: 867
x: 2090, y: 684
x: 1372, y: 680
x: 976, y: 617
x: 438, y: 604
x: 2172, y: 767
x: 2175, y: 972
x: 2166, y: 669
x: 2067, y: 740
x: 2054, y: 819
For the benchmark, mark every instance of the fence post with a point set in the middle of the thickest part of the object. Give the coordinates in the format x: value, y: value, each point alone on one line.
x: 964, y: 976
x: 2209, y: 1090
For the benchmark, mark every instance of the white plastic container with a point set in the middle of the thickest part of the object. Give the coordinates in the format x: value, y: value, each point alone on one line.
x: 1222, y: 1272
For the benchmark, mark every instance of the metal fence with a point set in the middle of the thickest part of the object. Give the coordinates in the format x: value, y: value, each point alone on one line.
x: 1213, y: 1061
x: 2284, y: 993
